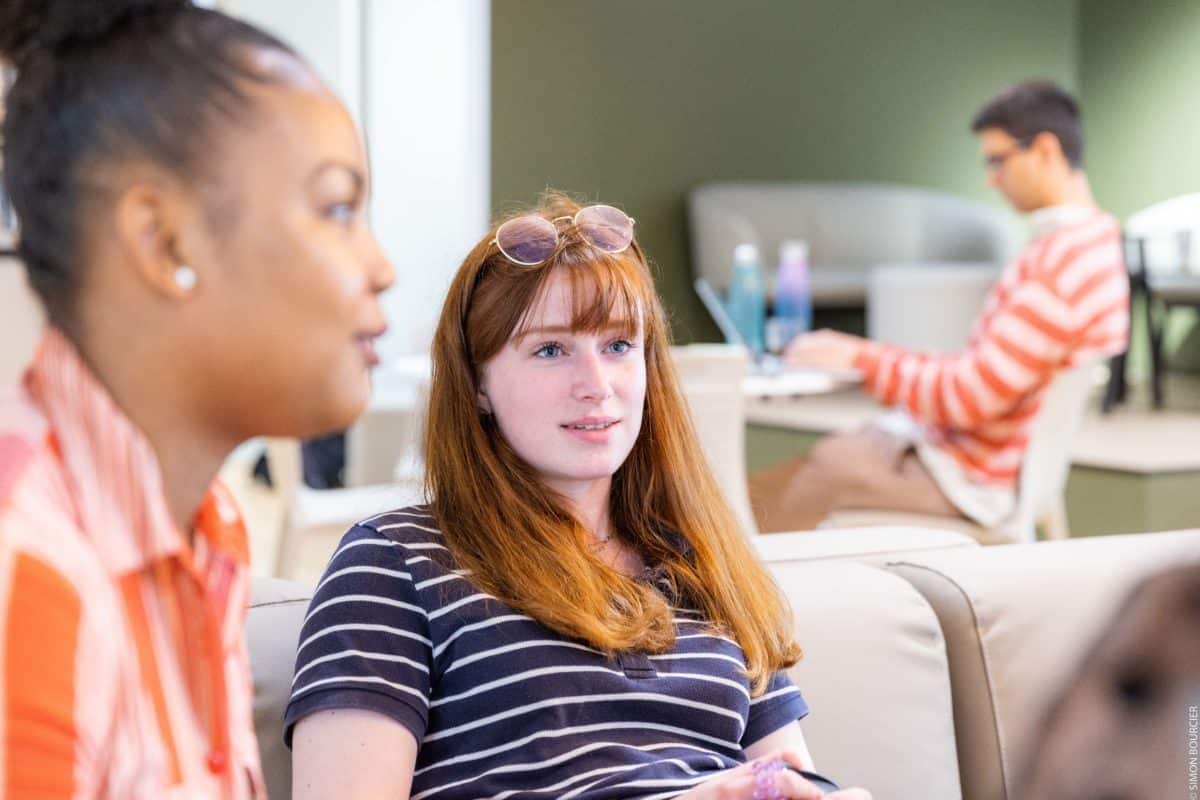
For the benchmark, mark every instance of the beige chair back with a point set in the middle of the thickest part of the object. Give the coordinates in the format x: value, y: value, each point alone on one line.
x: 711, y: 377
x: 287, y: 472
x: 384, y: 445
x: 314, y: 520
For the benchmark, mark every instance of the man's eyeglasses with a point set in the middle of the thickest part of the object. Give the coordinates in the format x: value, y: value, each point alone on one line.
x: 998, y: 160
x: 530, y: 240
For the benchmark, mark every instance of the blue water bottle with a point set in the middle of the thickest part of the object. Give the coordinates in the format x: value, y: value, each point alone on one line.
x: 747, y: 305
x: 793, y: 294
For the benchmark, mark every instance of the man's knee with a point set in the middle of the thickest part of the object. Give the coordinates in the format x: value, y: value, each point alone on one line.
x: 840, y: 453
x: 855, y: 463
x: 831, y: 468
x: 827, y: 450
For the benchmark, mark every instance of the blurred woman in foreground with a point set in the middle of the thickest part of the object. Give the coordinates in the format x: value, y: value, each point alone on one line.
x: 191, y: 207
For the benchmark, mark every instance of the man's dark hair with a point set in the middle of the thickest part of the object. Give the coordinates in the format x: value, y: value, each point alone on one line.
x: 1031, y: 107
x: 102, y: 83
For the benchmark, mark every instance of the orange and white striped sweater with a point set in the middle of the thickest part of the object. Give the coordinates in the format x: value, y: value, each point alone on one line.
x: 1063, y: 302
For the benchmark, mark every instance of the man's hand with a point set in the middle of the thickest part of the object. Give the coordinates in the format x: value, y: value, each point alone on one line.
x: 824, y: 349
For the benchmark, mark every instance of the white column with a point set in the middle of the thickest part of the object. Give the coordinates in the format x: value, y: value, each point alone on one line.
x: 427, y: 89
x: 416, y: 74
x: 327, y: 34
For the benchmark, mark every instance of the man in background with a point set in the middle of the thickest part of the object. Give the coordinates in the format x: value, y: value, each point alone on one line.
x: 1063, y: 302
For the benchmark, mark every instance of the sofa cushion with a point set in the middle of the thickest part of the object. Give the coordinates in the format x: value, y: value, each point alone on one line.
x: 875, y: 674
x: 1017, y: 620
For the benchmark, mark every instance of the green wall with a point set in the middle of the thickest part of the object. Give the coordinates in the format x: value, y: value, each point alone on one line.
x: 1140, y: 84
x: 636, y: 101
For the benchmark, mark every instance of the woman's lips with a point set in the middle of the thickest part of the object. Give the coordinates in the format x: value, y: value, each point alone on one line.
x: 591, y: 429
x: 366, y: 346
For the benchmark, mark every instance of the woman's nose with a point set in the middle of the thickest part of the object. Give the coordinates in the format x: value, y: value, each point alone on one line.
x: 380, y: 272
x: 591, y: 377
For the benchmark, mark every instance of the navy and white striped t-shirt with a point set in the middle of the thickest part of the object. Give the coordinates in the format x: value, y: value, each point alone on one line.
x: 504, y: 707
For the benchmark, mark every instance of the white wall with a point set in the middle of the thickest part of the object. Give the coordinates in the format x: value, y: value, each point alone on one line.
x: 326, y: 33
x: 416, y: 74
x: 427, y: 88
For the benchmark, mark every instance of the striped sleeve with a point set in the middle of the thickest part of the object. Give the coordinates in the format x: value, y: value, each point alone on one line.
x: 781, y: 704
x: 365, y: 643
x: 42, y: 616
x: 1072, y: 304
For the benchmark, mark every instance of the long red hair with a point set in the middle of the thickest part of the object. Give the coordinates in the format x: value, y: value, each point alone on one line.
x: 518, y: 538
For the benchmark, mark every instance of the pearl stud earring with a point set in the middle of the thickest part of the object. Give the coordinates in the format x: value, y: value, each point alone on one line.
x: 185, y: 278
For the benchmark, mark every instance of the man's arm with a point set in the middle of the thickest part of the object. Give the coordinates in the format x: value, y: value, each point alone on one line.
x: 1030, y: 335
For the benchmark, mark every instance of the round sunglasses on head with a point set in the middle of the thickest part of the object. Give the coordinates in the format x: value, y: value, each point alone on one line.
x: 531, y: 239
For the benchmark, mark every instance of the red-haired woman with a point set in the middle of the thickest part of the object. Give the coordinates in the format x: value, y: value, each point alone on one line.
x: 576, y: 613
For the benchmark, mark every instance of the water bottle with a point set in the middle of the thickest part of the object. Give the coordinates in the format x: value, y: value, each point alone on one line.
x: 793, y: 295
x: 747, y: 305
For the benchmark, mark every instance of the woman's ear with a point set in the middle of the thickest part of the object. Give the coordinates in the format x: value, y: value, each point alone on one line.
x: 481, y: 397
x: 149, y: 219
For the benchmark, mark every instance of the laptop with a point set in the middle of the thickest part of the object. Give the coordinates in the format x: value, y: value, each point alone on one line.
x: 770, y: 374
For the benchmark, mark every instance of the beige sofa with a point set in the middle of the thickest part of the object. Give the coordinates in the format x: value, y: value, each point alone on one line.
x: 850, y: 228
x: 927, y: 657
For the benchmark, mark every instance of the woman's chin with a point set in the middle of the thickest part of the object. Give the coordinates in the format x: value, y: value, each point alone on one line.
x: 338, y: 412
x: 577, y: 479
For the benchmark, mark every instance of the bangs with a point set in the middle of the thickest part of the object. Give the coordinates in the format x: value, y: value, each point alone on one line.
x: 613, y: 293
x: 607, y: 293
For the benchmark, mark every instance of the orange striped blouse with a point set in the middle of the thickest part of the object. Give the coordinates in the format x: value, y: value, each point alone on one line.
x: 1063, y: 302
x: 123, y: 666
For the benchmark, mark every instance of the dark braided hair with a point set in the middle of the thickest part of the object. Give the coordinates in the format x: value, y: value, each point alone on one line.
x: 102, y: 83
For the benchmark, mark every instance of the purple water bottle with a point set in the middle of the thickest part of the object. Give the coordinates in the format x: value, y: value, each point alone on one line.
x: 793, y: 294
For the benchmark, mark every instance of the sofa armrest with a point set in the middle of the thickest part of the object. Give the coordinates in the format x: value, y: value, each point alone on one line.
x: 1017, y: 620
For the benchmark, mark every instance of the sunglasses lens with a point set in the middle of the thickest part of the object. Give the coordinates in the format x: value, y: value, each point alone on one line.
x: 606, y: 228
x: 527, y: 240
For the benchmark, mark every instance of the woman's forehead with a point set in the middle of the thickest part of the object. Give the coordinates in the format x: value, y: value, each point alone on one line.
x: 580, y: 305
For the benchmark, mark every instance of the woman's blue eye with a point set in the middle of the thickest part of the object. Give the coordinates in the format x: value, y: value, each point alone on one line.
x: 621, y: 346
x: 342, y: 213
x: 549, y: 350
